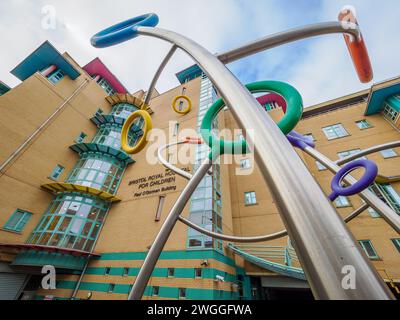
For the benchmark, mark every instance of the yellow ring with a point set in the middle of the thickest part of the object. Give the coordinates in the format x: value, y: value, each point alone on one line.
x: 128, y: 124
x: 185, y: 111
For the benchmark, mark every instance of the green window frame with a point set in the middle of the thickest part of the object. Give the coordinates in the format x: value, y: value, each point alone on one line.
x: 110, y: 135
x: 56, y: 173
x: 369, y: 249
x: 390, y: 113
x: 396, y: 243
x: 81, y: 137
x: 18, y: 220
x: 97, y: 170
x: 72, y: 220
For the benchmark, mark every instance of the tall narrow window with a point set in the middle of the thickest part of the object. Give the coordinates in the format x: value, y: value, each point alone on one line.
x: 182, y: 293
x: 183, y: 91
x: 156, y: 291
x: 245, y: 163
x: 198, y: 272
x: 125, y: 272
x: 17, y: 220
x: 107, y: 271
x: 369, y: 249
x: 171, y: 272
x: 161, y: 200
x: 56, y: 172
x: 396, y: 243
x: 111, y: 287
x: 176, y: 129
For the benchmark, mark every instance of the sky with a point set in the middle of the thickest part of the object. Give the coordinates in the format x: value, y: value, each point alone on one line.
x: 320, y: 68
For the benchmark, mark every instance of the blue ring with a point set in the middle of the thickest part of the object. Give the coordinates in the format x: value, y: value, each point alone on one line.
x: 371, y: 171
x: 123, y: 31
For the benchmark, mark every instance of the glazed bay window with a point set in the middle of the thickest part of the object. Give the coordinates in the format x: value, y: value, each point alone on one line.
x: 97, y: 170
x: 335, y: 131
x: 123, y: 110
x: 110, y: 135
x: 71, y: 221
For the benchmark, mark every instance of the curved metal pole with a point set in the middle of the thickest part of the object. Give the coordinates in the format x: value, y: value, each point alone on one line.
x: 268, y: 237
x: 368, y: 151
x: 288, y: 36
x: 158, y: 73
x: 170, y: 166
x: 368, y: 196
x: 311, y: 221
x: 154, y: 253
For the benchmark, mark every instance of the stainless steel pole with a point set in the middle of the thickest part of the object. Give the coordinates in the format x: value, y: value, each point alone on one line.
x: 324, y: 244
x: 154, y: 253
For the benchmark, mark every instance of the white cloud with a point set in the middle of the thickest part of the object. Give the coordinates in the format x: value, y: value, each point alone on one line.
x: 320, y: 68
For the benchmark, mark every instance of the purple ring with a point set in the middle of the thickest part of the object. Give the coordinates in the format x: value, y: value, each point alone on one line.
x: 300, y: 141
x: 371, y: 171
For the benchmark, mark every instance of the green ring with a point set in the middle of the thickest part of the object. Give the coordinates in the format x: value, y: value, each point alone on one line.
x: 289, y: 121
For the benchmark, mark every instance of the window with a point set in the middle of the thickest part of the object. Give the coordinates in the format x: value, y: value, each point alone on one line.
x: 81, y: 137
x: 320, y: 166
x: 388, y: 153
x: 348, y: 153
x: 250, y: 198
x: 107, y: 271
x: 123, y: 110
x: 341, y: 202
x: 17, y: 220
x: 125, y: 272
x: 182, y: 293
x: 245, y: 163
x: 369, y: 249
x: 389, y: 113
x: 111, y: 287
x: 183, y: 91
x: 56, y: 172
x: 171, y: 272
x: 106, y: 86
x: 161, y: 200
x: 99, y: 171
x: 363, y: 124
x: 335, y: 131
x: 373, y: 213
x: 99, y: 111
x: 156, y: 291
x: 396, y: 243
x: 55, y: 76
x: 198, y: 273
x: 72, y: 221
x: 176, y: 129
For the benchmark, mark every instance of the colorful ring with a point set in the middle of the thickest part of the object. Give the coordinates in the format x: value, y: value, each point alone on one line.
x: 123, y: 31
x: 185, y: 111
x: 127, y: 126
x: 371, y: 171
x: 289, y: 121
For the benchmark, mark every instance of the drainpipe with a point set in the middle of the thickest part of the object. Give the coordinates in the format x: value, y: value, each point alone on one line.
x: 78, y: 284
x: 41, y: 127
x: 49, y: 70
